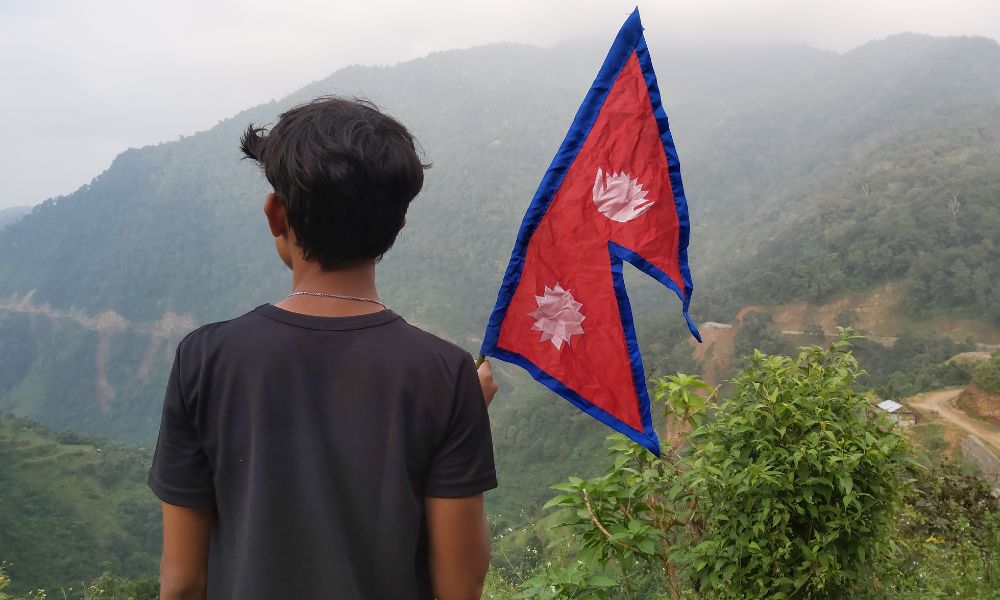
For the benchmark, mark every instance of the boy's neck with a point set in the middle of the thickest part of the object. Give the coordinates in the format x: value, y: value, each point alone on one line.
x: 358, y: 281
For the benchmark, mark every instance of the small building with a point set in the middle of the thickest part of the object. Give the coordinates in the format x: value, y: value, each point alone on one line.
x: 889, y: 406
x: 897, y: 413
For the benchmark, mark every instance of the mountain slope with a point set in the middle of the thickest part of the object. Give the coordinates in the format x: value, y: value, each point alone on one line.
x: 900, y: 184
x: 924, y: 210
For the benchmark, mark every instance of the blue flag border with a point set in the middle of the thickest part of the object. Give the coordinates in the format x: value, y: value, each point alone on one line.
x: 629, y: 39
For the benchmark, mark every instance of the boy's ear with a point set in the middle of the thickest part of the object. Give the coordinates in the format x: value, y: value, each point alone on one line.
x: 277, y: 220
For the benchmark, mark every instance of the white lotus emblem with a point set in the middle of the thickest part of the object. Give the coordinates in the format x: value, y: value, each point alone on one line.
x: 619, y: 197
x: 558, y: 316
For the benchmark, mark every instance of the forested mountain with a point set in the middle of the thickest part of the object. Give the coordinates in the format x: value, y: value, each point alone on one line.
x: 890, y: 173
x: 807, y: 173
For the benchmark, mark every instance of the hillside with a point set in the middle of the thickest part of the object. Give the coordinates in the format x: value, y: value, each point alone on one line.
x: 977, y: 401
x: 888, y: 174
x: 72, y: 507
x: 809, y: 174
x: 982, y: 397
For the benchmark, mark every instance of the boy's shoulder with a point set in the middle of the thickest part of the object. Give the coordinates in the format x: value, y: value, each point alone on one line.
x: 407, y: 338
x: 209, y: 332
x: 433, y: 343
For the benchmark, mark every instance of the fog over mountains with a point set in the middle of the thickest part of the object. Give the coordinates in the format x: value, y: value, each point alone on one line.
x: 808, y: 174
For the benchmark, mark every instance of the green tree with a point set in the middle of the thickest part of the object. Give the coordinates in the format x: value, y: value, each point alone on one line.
x: 798, y: 484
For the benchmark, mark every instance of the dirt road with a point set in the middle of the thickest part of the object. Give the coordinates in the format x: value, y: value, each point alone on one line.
x: 943, y: 403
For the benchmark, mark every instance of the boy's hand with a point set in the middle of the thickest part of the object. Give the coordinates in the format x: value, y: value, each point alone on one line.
x: 489, y: 386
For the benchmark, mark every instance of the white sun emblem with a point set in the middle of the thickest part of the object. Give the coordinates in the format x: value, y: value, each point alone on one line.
x: 619, y: 197
x: 558, y: 316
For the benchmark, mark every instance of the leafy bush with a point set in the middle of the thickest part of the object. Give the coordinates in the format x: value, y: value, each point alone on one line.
x: 789, y: 488
x: 798, y: 484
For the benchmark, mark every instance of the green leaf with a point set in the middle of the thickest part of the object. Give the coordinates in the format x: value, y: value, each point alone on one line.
x: 602, y: 581
x: 646, y: 546
x: 564, y: 499
x: 847, y: 484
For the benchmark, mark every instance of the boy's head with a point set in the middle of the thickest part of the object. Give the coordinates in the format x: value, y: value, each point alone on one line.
x: 344, y: 172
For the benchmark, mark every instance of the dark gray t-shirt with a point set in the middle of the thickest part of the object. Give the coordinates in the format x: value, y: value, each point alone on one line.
x: 315, y: 441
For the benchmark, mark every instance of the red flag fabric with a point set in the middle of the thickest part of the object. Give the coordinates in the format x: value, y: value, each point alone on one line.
x: 613, y: 193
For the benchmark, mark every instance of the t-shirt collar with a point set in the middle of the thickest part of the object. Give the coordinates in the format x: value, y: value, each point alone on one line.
x: 331, y: 323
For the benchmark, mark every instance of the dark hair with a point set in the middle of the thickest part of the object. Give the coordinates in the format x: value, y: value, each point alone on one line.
x: 345, y: 173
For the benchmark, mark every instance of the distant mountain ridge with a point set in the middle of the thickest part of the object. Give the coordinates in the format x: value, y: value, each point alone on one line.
x: 807, y: 174
x: 12, y: 214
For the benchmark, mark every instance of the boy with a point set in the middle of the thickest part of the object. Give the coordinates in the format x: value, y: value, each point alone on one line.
x: 322, y: 447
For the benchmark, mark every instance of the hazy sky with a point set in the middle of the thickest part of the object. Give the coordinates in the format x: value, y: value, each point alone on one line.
x: 82, y: 81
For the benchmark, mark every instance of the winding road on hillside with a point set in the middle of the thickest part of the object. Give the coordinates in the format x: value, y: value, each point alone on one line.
x: 943, y: 403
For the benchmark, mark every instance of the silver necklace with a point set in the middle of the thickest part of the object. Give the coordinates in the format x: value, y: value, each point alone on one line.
x: 341, y: 296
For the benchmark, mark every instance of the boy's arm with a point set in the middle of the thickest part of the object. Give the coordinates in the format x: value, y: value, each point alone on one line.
x: 459, y: 546
x: 490, y: 387
x: 184, y: 566
x: 461, y: 470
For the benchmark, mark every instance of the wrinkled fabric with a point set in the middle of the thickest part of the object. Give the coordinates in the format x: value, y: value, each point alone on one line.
x: 612, y: 194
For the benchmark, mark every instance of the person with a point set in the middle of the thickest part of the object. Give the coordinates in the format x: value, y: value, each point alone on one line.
x: 322, y: 447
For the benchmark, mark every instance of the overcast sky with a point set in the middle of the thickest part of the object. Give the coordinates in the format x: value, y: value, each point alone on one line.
x: 82, y: 81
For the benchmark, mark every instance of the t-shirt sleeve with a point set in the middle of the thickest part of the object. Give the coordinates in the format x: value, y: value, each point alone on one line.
x: 180, y: 474
x: 463, y: 463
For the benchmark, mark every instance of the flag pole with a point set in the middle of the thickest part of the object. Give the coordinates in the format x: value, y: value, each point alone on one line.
x: 479, y: 360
